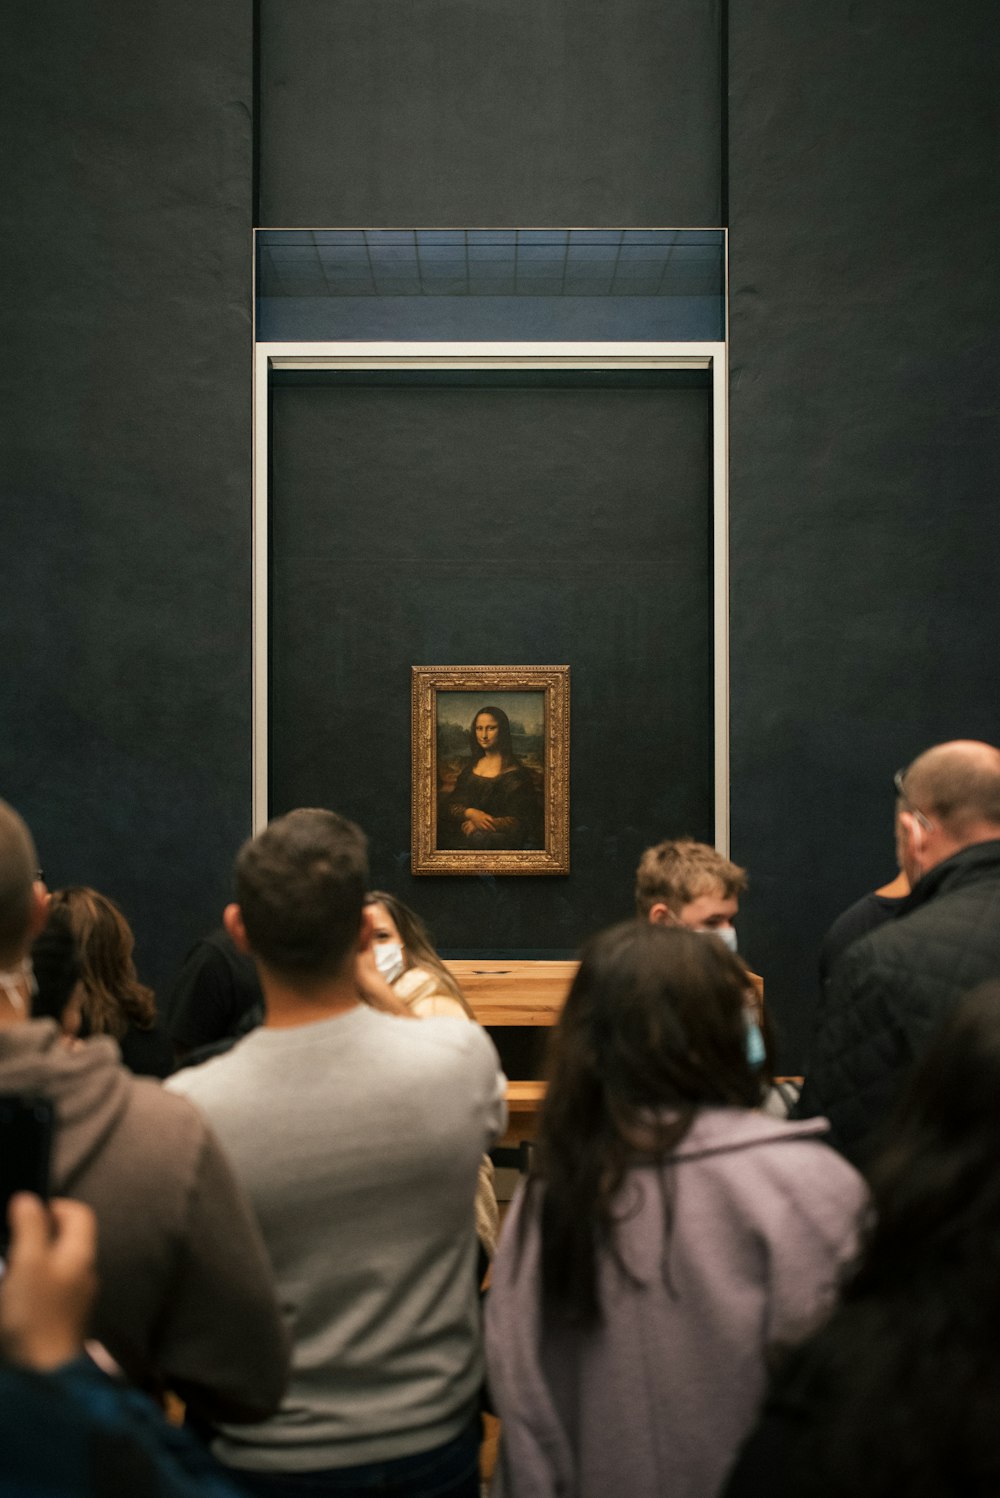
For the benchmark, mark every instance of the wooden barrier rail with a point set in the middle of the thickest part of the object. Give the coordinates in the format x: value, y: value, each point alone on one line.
x: 516, y: 993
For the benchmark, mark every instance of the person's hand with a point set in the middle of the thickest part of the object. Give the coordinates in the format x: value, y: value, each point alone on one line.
x: 374, y: 990
x: 481, y: 821
x: 50, y: 1281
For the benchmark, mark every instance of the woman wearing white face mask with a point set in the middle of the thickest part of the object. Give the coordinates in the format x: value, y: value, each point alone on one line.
x: 401, y: 971
x: 406, y: 960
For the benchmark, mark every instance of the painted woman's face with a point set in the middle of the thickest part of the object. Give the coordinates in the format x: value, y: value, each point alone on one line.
x: 487, y: 730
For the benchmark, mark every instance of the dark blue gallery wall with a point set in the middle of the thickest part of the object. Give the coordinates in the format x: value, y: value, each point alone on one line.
x: 469, y: 521
x: 865, y: 282
x: 500, y: 113
x: 125, y: 693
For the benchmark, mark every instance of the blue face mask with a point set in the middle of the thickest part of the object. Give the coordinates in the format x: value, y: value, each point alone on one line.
x: 756, y: 1050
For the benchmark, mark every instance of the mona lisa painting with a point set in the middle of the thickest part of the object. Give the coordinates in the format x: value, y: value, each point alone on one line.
x: 490, y: 770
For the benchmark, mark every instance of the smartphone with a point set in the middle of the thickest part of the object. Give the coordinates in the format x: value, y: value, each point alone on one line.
x: 26, y: 1126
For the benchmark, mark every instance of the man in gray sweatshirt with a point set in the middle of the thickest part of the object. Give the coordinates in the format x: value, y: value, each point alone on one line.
x: 358, y: 1136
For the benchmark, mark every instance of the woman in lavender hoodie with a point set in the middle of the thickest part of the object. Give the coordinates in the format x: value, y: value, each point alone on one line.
x: 668, y: 1239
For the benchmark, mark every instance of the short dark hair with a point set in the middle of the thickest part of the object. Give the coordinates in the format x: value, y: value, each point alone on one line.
x: 301, y: 887
x: 679, y: 870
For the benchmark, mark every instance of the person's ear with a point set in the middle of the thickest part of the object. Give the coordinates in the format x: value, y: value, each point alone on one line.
x: 909, y: 845
x: 232, y: 919
x: 366, y: 931
x: 40, y: 902
x: 912, y: 828
x: 660, y: 914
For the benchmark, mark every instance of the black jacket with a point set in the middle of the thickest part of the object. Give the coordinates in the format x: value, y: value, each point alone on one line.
x: 891, y: 991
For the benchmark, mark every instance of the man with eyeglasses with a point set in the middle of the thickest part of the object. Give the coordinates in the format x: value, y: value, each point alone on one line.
x: 892, y: 989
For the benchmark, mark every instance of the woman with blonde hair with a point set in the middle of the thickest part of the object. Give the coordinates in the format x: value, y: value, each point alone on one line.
x: 401, y: 972
x: 405, y: 957
x: 115, y: 1002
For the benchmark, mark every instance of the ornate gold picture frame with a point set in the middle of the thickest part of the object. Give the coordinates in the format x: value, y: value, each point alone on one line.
x: 490, y: 770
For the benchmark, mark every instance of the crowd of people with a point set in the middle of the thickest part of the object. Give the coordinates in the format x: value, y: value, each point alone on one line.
x: 282, y: 1213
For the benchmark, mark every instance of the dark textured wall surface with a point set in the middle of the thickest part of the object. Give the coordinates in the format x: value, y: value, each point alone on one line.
x: 863, y: 191
x: 490, y: 112
x: 125, y: 693
x: 509, y: 113
x: 865, y: 200
x: 436, y: 525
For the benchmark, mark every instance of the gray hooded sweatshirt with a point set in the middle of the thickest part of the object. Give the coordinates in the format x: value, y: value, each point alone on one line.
x: 656, y: 1400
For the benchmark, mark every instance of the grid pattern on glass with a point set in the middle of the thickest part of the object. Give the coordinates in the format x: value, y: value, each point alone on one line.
x: 490, y: 262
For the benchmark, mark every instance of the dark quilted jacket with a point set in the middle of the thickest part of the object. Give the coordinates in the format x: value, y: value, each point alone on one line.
x: 892, y: 990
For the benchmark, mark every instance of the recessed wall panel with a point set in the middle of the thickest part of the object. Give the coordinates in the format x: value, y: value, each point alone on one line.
x: 423, y: 525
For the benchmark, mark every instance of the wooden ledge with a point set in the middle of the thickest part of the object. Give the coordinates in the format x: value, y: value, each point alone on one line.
x: 515, y: 992
x: 525, y: 1097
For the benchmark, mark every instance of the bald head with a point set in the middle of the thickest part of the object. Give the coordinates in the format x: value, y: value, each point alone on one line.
x: 958, y: 784
x: 18, y: 863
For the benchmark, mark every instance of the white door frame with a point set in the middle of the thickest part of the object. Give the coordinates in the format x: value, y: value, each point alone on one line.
x: 507, y: 356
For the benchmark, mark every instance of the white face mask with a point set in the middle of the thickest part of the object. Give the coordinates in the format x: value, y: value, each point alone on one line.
x: 389, y: 960
x: 725, y: 934
x: 16, y: 979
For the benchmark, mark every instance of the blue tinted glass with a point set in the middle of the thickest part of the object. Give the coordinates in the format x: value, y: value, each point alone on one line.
x: 490, y: 284
x: 596, y: 236
x: 441, y: 236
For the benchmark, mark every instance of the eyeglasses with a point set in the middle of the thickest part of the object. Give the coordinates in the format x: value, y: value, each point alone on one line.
x: 898, y: 787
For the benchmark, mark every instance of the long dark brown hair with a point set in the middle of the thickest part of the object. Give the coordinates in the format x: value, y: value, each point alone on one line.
x: 115, y: 998
x: 653, y: 1029
x: 903, y: 1384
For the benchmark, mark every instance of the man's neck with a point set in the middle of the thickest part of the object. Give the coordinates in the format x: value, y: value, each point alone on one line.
x: 982, y: 832
x: 290, y: 1004
x: 896, y: 889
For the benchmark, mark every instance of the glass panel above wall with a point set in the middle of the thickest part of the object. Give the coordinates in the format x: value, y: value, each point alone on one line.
x: 538, y: 285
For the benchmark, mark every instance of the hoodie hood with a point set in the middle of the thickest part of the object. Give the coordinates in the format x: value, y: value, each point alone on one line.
x: 718, y: 1131
x: 88, y: 1087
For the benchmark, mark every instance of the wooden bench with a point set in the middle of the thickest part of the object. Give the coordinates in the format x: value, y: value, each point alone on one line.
x: 516, y: 993
x: 525, y: 993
